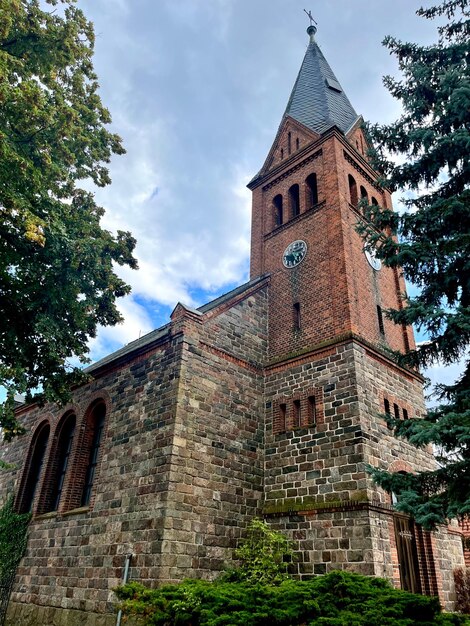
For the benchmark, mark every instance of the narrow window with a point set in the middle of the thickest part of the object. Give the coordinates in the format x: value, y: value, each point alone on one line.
x: 387, y: 406
x: 289, y: 143
x: 98, y: 417
x: 278, y: 211
x: 311, y: 190
x: 296, y: 315
x: 33, y: 474
x: 297, y: 143
x: 64, y: 448
x: 352, y: 190
x: 405, y: 414
x: 282, y: 153
x: 297, y: 415
x: 312, y: 411
x: 374, y: 201
x: 396, y: 411
x: 380, y: 319
x: 294, y: 200
x: 282, y: 417
x: 364, y: 196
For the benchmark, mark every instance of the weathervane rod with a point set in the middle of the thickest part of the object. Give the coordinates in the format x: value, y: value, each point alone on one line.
x: 309, y: 14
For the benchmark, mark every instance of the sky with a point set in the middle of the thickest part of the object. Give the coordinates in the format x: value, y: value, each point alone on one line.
x: 196, y: 90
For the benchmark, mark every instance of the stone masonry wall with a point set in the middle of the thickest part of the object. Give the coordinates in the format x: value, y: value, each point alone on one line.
x: 76, y: 557
x: 216, y: 478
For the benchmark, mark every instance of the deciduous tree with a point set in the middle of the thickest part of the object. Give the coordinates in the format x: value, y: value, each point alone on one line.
x: 57, y: 280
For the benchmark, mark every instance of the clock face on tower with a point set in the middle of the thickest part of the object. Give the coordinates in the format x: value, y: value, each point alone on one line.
x: 373, y: 261
x: 294, y: 253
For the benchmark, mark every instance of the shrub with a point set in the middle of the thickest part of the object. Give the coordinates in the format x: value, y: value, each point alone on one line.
x: 13, y: 538
x: 337, y: 599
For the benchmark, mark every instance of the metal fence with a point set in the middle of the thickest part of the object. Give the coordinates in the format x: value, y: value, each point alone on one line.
x: 6, y: 584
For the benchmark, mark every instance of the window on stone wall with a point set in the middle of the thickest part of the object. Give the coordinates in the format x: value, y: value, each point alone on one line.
x: 396, y: 411
x: 311, y: 407
x: 91, y: 448
x: 352, y: 190
x: 289, y: 142
x: 59, y: 463
x: 297, y: 414
x: 33, y: 469
x: 297, y: 143
x: 282, y: 417
x: 387, y: 406
x: 294, y: 200
x: 278, y: 210
x: 405, y: 414
x: 311, y: 188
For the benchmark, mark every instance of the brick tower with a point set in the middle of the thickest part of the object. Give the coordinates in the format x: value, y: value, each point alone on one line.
x: 329, y: 376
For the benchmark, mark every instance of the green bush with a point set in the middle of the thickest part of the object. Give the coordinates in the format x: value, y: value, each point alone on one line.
x: 13, y: 538
x: 337, y: 599
x: 263, y: 556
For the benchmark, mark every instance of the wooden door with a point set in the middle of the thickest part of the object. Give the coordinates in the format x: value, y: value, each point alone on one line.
x: 407, y: 554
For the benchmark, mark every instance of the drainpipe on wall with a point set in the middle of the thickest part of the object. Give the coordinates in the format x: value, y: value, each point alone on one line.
x: 125, y: 578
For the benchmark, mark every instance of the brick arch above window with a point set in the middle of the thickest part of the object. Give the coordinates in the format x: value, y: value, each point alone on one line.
x: 54, y: 486
x: 33, y: 467
x: 86, y: 462
x: 400, y: 466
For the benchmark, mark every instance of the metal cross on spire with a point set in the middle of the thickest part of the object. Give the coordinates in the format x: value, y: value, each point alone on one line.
x: 310, y: 17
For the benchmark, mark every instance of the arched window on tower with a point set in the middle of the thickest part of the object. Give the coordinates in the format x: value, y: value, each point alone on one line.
x: 374, y: 201
x: 311, y: 189
x: 352, y: 190
x: 59, y: 463
x: 294, y: 200
x: 364, y: 194
x: 91, y: 448
x: 33, y: 469
x: 278, y: 210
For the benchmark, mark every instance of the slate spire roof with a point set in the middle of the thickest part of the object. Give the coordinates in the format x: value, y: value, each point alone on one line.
x: 317, y: 99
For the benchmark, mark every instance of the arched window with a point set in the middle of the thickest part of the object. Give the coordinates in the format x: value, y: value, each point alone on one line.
x: 311, y: 191
x: 32, y: 474
x: 278, y: 210
x: 91, y: 448
x: 374, y: 201
x: 364, y: 194
x: 297, y: 143
x: 59, y: 463
x: 294, y: 200
x: 352, y: 190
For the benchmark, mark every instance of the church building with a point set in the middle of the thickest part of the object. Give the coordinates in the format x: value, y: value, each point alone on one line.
x: 268, y: 401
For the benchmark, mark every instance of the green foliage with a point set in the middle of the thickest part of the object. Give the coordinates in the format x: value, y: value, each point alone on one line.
x: 57, y: 282
x: 264, y: 556
x: 430, y: 242
x: 13, y: 538
x: 337, y: 599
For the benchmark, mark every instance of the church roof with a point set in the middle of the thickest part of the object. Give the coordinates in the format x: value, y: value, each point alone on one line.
x: 317, y: 99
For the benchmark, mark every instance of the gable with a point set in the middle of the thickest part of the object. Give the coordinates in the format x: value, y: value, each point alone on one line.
x: 291, y: 138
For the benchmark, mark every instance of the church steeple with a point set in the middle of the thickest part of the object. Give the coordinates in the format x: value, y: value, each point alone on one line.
x: 317, y: 100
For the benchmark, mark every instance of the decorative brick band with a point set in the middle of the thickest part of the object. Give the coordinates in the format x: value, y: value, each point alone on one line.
x: 361, y: 171
x: 295, y: 220
x: 293, y: 169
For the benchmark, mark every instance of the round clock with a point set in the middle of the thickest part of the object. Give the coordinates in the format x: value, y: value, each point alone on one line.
x: 373, y: 261
x: 294, y: 253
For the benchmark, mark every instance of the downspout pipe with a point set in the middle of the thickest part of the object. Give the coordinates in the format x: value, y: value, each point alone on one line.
x: 125, y: 578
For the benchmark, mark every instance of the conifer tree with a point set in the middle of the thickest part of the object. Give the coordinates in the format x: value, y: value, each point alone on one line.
x: 425, y: 154
x: 57, y: 280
